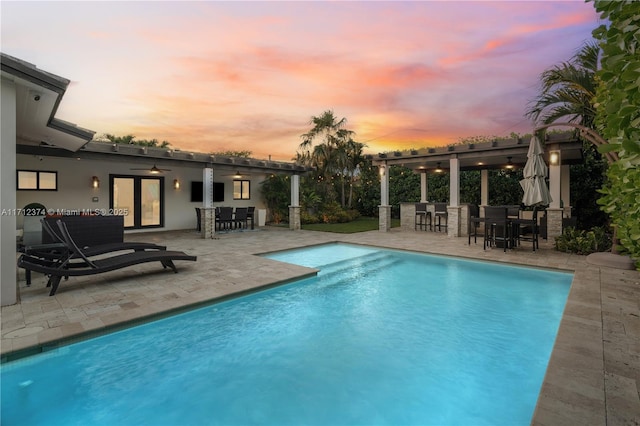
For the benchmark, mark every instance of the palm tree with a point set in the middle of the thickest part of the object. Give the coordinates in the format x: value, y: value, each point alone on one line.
x: 568, y: 95
x: 325, y: 157
x: 352, y: 159
x: 568, y: 90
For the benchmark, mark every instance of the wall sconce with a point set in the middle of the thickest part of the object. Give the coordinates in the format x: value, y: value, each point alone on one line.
x: 382, y: 170
x: 95, y: 182
x: 176, y: 184
x: 554, y: 158
x: 438, y: 169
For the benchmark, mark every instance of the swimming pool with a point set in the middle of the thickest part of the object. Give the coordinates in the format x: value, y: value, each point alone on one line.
x: 379, y: 337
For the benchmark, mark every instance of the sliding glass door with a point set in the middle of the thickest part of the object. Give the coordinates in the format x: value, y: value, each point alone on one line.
x: 139, y: 198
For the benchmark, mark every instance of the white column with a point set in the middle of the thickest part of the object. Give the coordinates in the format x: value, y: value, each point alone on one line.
x: 207, y: 212
x: 8, y: 275
x: 565, y: 181
x: 454, y: 182
x: 555, y: 172
x: 484, y: 187
x: 207, y: 188
x: 424, y: 192
x: 295, y: 191
x: 384, y: 184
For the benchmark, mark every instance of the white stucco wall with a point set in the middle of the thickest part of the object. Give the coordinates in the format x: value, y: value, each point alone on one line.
x: 75, y: 191
x: 8, y: 278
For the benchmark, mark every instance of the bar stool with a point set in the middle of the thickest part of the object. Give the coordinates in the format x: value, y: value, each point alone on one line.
x: 440, y: 213
x: 423, y: 217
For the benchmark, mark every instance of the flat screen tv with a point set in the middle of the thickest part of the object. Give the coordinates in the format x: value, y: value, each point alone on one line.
x: 197, y: 189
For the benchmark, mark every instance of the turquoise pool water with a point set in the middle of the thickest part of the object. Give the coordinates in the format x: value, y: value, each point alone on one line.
x: 379, y: 337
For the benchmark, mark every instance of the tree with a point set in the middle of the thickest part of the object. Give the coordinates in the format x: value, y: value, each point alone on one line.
x: 567, y: 95
x: 326, y: 156
x: 618, y: 117
x: 567, y: 90
x: 276, y: 190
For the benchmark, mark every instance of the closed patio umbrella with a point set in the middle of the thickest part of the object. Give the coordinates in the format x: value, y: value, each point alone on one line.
x: 535, y: 171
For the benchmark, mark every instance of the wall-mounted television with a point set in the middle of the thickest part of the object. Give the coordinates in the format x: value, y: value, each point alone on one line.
x: 197, y: 191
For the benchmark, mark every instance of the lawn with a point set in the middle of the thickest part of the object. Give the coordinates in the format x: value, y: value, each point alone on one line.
x: 361, y: 224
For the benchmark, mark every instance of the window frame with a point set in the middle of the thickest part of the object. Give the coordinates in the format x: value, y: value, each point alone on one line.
x: 37, y: 172
x: 242, y: 183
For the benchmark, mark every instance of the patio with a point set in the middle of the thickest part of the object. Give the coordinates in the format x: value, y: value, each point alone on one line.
x: 594, y: 371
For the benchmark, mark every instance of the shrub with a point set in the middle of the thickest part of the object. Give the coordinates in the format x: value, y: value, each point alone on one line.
x: 307, y: 218
x: 334, y: 213
x: 578, y: 241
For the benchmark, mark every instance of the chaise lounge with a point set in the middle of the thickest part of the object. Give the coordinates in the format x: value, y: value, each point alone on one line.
x: 78, y: 263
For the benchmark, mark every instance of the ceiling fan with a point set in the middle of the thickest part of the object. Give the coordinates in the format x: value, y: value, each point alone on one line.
x: 154, y: 170
x: 238, y: 175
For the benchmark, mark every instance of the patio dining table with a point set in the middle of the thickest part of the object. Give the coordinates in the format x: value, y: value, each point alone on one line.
x: 506, y: 219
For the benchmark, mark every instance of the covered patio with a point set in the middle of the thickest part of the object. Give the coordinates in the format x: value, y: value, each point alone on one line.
x: 561, y: 150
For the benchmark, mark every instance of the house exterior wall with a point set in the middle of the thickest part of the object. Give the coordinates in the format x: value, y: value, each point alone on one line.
x: 75, y: 190
x: 8, y: 276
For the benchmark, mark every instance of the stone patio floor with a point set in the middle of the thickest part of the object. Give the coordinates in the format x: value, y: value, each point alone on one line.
x: 593, y: 377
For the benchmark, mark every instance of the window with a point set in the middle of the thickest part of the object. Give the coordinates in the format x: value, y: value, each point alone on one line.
x: 37, y: 180
x: 241, y: 190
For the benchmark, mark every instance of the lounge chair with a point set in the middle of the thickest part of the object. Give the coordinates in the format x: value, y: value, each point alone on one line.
x: 79, y: 264
x: 57, y: 251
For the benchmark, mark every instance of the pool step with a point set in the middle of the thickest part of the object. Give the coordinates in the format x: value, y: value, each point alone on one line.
x: 347, y: 269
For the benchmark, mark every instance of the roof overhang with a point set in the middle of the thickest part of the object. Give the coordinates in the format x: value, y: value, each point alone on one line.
x: 487, y: 155
x: 163, y: 157
x: 38, y: 95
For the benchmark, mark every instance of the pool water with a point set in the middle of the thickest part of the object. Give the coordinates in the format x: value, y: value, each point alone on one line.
x: 378, y: 337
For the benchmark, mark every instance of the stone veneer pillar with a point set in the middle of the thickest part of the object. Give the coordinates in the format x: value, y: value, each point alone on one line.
x: 453, y: 221
x: 407, y: 216
x: 207, y: 222
x: 554, y: 223
x: 294, y: 218
x: 384, y: 222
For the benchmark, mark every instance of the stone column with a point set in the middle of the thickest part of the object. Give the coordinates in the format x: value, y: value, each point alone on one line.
x: 294, y: 218
x: 453, y: 221
x: 207, y: 222
x: 407, y: 216
x: 384, y: 221
x: 554, y: 223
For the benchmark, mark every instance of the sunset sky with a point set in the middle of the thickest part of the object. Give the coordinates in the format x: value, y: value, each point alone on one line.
x: 210, y: 76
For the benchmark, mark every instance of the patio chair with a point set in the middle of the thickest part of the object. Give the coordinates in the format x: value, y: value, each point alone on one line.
x: 528, y: 229
x: 474, y: 222
x: 422, y: 217
x: 198, y: 219
x: 440, y: 213
x: 497, y: 227
x: 224, y: 219
x: 251, y: 215
x: 240, y: 218
x: 79, y: 264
